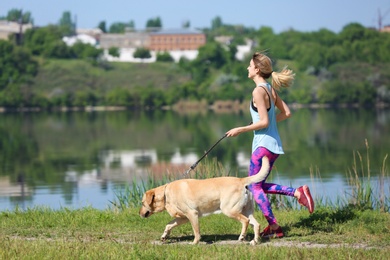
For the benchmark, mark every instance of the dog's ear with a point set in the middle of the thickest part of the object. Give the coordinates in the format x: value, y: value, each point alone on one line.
x: 149, y: 197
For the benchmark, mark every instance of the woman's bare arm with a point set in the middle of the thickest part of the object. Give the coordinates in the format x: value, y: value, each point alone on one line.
x: 283, y: 108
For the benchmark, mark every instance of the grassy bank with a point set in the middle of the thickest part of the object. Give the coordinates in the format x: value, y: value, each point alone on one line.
x: 42, y: 233
x: 78, y: 75
x: 358, y: 228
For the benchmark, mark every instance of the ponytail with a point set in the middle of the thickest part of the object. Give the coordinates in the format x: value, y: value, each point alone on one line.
x: 284, y: 79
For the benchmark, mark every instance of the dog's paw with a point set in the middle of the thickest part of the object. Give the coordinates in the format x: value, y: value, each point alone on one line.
x: 253, y: 243
x: 241, y: 238
x: 164, y: 236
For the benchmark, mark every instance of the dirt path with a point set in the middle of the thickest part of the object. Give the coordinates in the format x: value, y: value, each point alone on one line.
x: 274, y: 243
x: 281, y: 243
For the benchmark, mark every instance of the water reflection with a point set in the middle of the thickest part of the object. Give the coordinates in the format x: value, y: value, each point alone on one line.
x: 80, y: 159
x: 136, y: 165
x: 10, y: 189
x: 117, y: 167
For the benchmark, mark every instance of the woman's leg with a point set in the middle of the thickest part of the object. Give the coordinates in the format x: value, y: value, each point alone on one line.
x: 273, y: 230
x: 272, y: 188
x: 302, y: 193
x: 257, y: 188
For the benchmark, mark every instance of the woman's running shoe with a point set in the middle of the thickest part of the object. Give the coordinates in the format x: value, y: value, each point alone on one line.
x: 269, y: 233
x: 305, y: 198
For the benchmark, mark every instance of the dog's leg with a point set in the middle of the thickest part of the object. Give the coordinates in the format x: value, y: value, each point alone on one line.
x: 194, y: 219
x: 247, y: 211
x: 244, y: 222
x: 174, y: 223
x: 256, y: 229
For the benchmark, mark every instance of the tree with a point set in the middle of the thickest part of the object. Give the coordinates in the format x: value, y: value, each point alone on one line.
x: 142, y: 53
x: 57, y: 50
x: 119, y: 97
x: 114, y: 51
x: 288, y: 40
x: 164, y: 57
x: 102, y: 26
x: 38, y: 39
x: 265, y: 32
x: 338, y: 92
x: 212, y: 54
x: 85, y: 98
x: 186, y: 24
x: 188, y: 90
x: 309, y: 55
x: 16, y: 64
x: 131, y: 25
x: 335, y: 54
x: 119, y: 27
x: 86, y: 51
x: 324, y: 36
x: 352, y: 32
x: 154, y: 23
x: 270, y: 42
x: 16, y: 15
x: 384, y: 49
x: 149, y: 97
x: 67, y: 26
x: 216, y: 23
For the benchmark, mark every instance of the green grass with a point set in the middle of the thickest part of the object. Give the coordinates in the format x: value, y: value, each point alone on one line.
x: 42, y: 233
x: 356, y: 228
x: 72, y: 75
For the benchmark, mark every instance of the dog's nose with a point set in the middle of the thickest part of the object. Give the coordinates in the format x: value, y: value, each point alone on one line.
x: 144, y: 214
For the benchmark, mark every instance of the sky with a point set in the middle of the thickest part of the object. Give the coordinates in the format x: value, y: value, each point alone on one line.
x: 282, y: 15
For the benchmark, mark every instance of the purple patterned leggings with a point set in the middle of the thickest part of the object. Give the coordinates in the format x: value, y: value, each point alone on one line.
x: 261, y: 189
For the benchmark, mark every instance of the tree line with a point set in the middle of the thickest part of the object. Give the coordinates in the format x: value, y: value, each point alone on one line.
x: 349, y: 67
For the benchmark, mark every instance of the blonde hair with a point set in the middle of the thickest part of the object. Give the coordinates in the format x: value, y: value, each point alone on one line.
x: 284, y: 78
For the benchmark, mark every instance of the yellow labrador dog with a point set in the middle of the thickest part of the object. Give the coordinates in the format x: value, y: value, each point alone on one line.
x: 189, y: 199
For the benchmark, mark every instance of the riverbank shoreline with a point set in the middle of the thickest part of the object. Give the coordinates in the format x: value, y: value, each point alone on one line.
x: 188, y: 107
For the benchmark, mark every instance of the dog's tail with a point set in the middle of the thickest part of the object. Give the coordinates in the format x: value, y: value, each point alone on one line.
x: 261, y: 175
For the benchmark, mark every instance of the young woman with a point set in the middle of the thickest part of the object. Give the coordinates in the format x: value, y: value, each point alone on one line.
x: 266, y: 141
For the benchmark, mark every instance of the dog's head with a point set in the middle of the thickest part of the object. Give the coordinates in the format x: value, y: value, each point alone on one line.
x: 153, y: 201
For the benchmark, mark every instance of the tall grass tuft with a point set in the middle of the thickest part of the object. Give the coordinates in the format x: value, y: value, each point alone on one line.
x: 362, y: 194
x: 384, y: 202
x: 130, y: 195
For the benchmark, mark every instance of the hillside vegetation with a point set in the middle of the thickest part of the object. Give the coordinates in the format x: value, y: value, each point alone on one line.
x: 351, y: 67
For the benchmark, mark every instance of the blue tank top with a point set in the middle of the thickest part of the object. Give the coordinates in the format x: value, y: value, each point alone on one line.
x: 267, y: 137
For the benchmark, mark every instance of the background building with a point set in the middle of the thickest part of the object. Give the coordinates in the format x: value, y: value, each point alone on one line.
x: 173, y: 40
x: 178, y: 43
x: 7, y: 28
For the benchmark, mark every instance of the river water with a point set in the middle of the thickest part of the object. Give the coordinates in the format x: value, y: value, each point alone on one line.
x: 78, y: 159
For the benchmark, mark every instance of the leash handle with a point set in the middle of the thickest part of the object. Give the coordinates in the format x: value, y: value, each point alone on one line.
x: 204, y: 155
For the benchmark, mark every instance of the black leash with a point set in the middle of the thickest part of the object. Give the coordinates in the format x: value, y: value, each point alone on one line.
x: 204, y: 155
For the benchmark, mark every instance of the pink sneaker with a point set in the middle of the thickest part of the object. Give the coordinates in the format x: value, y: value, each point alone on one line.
x: 305, y: 198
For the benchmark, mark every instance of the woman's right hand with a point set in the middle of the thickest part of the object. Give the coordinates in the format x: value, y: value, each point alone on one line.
x: 233, y: 132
